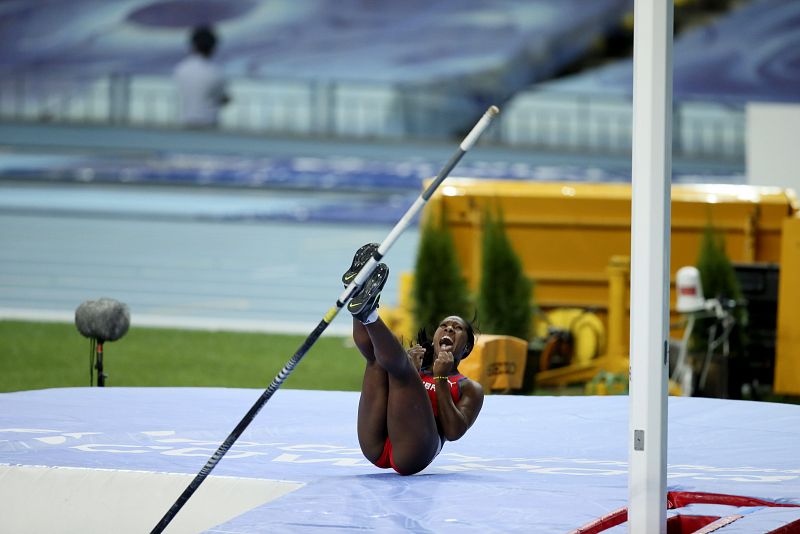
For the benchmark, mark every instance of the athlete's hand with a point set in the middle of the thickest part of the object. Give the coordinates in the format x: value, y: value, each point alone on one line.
x: 443, y: 364
x: 415, y: 354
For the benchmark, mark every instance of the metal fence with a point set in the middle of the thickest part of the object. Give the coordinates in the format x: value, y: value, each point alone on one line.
x: 603, y: 125
x: 542, y: 120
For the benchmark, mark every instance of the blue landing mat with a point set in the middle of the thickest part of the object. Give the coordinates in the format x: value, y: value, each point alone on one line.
x: 530, y: 464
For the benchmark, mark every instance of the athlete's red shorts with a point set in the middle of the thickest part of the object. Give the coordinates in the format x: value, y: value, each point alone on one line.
x: 386, y: 459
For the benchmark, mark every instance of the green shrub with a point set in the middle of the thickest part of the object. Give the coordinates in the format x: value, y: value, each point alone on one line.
x: 439, y: 286
x: 505, y: 295
x: 719, y: 281
x: 716, y: 271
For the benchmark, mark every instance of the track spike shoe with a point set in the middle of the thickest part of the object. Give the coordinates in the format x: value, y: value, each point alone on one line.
x: 366, y: 300
x: 360, y: 259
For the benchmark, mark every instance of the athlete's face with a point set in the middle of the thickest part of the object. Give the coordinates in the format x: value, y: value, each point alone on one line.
x: 451, y: 336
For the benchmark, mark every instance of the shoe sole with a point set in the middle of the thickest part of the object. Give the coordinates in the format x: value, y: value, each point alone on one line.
x: 360, y: 259
x: 368, y: 295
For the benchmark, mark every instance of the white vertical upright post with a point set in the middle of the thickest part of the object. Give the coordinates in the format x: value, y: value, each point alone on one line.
x: 650, y: 254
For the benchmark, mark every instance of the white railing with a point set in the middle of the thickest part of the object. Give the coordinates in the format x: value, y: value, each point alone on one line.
x: 556, y: 121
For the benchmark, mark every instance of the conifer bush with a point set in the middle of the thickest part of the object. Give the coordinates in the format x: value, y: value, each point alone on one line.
x: 716, y: 271
x: 439, y: 289
x: 505, y: 304
x: 719, y: 281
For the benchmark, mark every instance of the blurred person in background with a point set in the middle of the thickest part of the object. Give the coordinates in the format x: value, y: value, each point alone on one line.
x: 201, y: 86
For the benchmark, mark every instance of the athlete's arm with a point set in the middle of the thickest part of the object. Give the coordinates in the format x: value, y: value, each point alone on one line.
x: 454, y: 419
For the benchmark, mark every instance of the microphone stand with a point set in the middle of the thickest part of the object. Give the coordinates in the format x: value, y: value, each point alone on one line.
x: 101, y: 376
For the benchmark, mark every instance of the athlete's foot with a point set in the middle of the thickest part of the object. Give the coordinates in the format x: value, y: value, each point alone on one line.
x: 365, y: 302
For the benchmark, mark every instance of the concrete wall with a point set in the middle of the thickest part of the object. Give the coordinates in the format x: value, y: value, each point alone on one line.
x: 773, y: 145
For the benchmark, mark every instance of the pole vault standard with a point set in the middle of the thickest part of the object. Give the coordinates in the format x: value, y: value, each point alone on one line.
x: 343, y: 299
x: 650, y: 255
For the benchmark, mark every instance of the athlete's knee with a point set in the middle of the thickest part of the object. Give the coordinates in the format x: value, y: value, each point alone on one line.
x: 397, y: 363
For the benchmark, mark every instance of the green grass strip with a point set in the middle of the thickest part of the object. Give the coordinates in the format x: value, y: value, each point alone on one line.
x: 52, y: 355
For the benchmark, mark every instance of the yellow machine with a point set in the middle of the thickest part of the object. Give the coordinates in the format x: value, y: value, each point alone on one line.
x: 787, y: 347
x: 497, y: 362
x: 574, y: 241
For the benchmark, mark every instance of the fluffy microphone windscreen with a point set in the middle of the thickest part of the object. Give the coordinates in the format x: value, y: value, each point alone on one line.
x: 103, y: 319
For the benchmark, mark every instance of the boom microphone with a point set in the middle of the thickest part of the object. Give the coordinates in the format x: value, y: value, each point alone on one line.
x: 101, y: 320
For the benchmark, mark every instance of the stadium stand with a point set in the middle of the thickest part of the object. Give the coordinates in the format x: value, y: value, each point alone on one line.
x: 424, y: 67
x: 750, y: 54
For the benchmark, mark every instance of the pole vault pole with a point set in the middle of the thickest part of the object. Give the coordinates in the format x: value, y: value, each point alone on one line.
x: 650, y: 260
x: 343, y: 299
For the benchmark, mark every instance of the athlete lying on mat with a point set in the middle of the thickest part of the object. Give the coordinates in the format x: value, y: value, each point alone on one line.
x: 411, y: 402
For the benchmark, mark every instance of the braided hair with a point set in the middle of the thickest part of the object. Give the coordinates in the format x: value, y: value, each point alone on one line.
x: 427, y: 343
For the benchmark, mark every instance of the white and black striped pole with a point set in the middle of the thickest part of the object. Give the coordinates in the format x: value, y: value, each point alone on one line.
x: 341, y: 302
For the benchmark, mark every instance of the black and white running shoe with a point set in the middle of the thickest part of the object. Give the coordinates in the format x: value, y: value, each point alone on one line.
x: 360, y: 259
x: 366, y: 300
